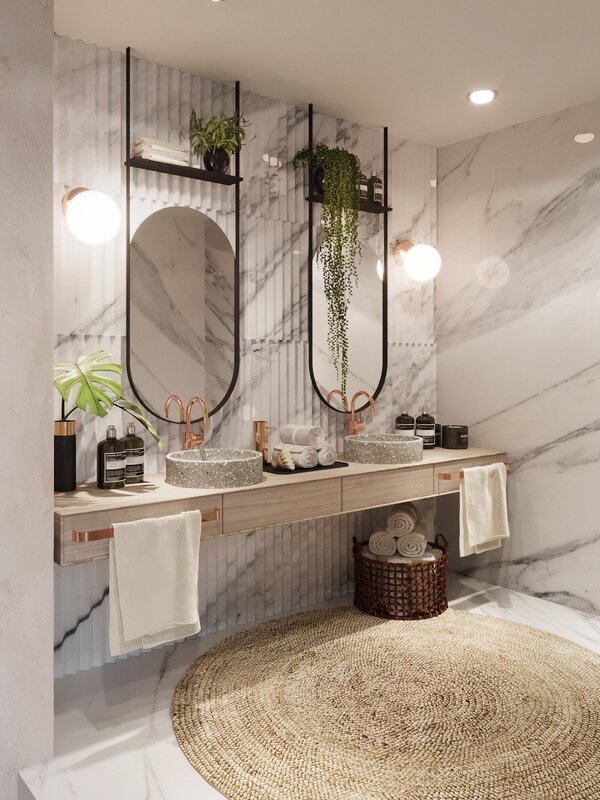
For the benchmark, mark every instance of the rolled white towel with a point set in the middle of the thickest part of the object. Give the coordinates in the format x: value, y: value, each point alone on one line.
x: 430, y: 554
x: 382, y: 543
x: 304, y: 457
x: 412, y: 544
x: 309, y: 436
x: 402, y: 519
x: 327, y: 455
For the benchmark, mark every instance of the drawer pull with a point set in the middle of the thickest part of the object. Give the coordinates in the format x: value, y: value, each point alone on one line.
x: 108, y: 533
x: 452, y: 476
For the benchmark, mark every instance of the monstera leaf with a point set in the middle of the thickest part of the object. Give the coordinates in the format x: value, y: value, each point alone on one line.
x: 138, y: 414
x: 88, y: 376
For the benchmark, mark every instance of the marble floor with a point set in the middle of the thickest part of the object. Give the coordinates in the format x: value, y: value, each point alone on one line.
x: 113, y: 736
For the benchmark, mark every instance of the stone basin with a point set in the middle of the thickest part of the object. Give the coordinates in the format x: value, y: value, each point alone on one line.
x: 383, y: 448
x: 214, y: 468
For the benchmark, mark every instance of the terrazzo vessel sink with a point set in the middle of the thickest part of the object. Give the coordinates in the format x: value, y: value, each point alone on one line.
x: 207, y: 468
x: 383, y: 448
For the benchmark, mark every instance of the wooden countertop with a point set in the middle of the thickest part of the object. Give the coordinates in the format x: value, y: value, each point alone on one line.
x: 89, y: 498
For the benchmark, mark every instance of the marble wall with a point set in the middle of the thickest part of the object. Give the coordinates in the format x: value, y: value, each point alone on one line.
x: 26, y: 689
x: 254, y: 570
x: 518, y: 331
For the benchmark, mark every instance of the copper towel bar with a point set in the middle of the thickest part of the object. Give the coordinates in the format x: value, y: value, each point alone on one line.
x: 450, y: 476
x: 108, y: 533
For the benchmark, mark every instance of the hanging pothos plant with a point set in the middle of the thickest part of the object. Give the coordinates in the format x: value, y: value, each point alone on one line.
x: 340, y: 244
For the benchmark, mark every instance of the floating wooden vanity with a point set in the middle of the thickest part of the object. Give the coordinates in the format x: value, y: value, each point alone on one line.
x: 277, y: 500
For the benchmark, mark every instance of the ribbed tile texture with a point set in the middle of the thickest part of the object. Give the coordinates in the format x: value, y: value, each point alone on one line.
x: 280, y: 569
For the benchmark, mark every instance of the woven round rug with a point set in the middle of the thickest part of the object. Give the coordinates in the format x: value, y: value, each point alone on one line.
x: 337, y: 705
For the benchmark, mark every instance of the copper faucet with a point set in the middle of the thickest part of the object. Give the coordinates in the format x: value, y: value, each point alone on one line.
x: 260, y: 438
x: 189, y: 440
x: 357, y: 425
x: 332, y: 394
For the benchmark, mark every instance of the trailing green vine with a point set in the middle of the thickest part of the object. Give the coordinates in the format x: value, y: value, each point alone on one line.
x: 340, y: 244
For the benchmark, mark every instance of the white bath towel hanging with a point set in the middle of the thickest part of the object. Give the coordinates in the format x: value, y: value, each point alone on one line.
x: 483, y: 511
x: 308, y: 435
x: 153, y: 582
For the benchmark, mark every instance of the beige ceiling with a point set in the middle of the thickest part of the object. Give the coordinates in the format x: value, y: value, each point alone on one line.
x: 404, y: 63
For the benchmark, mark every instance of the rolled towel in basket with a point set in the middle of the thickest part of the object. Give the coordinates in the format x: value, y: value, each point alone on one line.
x: 402, y: 519
x: 382, y: 543
x: 308, y: 435
x: 430, y: 554
x: 412, y: 544
x: 327, y: 455
x: 304, y: 457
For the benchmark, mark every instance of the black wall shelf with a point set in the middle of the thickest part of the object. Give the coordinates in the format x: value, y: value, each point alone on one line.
x: 368, y: 206
x: 183, y: 171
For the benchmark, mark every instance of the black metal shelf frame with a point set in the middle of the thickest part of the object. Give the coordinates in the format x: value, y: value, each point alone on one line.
x: 384, y: 211
x: 184, y: 172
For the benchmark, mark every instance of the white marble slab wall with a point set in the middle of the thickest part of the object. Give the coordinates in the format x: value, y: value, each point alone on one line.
x: 273, y: 382
x: 518, y: 330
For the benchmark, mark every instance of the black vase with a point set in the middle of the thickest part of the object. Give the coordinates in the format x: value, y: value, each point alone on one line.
x: 216, y: 160
x: 317, y: 179
x: 65, y: 456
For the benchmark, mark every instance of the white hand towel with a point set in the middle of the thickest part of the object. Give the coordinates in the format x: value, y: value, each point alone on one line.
x: 310, y: 436
x: 430, y: 554
x: 382, y: 543
x: 153, y: 582
x: 412, y: 544
x: 327, y: 455
x: 304, y: 457
x: 402, y: 519
x: 483, y: 511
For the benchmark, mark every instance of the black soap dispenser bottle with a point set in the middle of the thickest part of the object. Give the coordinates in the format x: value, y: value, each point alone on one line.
x: 110, y: 464
x: 425, y: 428
x: 134, y: 455
x: 404, y: 423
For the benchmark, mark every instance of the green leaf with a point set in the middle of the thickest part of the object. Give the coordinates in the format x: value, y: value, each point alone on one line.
x: 137, y: 413
x: 94, y: 387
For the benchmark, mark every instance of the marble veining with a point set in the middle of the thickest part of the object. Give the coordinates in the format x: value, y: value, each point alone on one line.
x: 517, y: 313
x: 273, y: 381
x: 116, y: 720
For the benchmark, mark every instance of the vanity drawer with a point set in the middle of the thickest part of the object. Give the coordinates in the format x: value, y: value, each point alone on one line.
x: 385, y: 488
x: 67, y: 551
x: 250, y: 510
x: 453, y: 468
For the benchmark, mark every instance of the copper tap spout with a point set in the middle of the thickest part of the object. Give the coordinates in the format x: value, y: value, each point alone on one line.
x: 343, y: 397
x: 357, y: 425
x: 191, y: 439
x: 174, y: 398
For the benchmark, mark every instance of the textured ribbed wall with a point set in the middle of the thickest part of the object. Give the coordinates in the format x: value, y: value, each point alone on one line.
x: 253, y: 575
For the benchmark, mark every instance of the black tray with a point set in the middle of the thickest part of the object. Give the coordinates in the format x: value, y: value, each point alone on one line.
x: 301, y: 470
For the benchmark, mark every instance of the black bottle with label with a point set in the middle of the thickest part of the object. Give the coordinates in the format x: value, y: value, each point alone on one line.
x: 363, y: 188
x: 376, y: 190
x: 134, y: 455
x: 110, y: 464
x: 404, y: 423
x: 425, y: 428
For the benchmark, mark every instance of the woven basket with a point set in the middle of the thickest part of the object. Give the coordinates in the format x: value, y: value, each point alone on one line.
x: 401, y: 591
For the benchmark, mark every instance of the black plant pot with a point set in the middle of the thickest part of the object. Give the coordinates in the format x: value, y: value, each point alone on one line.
x: 317, y: 180
x: 216, y: 161
x: 65, y: 456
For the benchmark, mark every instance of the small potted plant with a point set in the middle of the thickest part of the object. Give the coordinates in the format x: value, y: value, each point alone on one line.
x: 97, y: 393
x: 219, y: 137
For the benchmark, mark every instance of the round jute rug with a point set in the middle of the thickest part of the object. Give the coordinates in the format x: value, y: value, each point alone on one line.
x: 337, y: 705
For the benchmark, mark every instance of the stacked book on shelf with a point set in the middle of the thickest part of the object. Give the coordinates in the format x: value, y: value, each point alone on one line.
x: 157, y: 150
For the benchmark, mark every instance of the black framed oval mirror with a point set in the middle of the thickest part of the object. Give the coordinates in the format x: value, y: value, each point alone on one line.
x: 182, y: 310
x: 366, y: 331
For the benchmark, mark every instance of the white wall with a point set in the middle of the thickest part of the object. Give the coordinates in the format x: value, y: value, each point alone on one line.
x: 518, y: 331
x: 26, y: 712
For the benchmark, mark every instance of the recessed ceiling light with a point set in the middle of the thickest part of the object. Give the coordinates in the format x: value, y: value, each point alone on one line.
x: 584, y: 138
x: 482, y: 96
